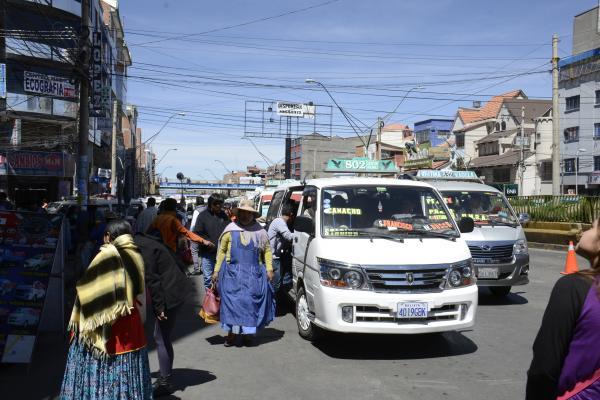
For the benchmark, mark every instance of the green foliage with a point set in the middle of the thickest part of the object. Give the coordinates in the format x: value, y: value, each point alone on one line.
x: 566, y: 208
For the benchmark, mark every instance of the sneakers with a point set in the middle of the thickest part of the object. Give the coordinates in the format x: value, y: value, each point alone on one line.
x: 162, y: 387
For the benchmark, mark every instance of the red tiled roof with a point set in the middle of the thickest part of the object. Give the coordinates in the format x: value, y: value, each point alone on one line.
x: 489, y: 110
x: 395, y: 127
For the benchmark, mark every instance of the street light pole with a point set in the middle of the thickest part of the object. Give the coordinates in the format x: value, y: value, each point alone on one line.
x: 224, y: 166
x: 181, y: 114
x: 164, y: 155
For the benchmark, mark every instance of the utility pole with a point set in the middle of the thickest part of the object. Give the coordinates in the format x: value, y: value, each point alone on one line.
x: 522, y: 155
x: 378, y: 143
x: 113, y: 152
x: 556, y: 167
x: 84, y: 112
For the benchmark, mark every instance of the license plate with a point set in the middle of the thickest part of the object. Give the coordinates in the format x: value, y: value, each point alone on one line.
x: 487, y: 273
x: 412, y: 310
x: 486, y: 261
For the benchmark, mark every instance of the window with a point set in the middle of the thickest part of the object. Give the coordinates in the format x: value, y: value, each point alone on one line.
x: 596, y: 131
x: 460, y: 140
x: 488, y: 149
x: 569, y: 165
x: 571, y: 134
x: 546, y: 171
x: 596, y: 163
x: 503, y: 125
x: 597, y: 97
x: 572, y: 103
x: 497, y: 126
x: 501, y: 175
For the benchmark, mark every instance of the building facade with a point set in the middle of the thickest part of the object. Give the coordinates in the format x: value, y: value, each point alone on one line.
x: 433, y: 132
x: 579, y: 101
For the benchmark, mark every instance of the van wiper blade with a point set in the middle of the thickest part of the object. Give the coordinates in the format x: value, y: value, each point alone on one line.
x: 433, y: 234
x: 372, y: 235
x: 502, y: 223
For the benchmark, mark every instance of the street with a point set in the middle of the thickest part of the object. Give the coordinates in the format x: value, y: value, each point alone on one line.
x: 488, y: 361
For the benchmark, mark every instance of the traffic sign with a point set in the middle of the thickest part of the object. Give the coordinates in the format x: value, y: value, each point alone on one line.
x: 361, y: 164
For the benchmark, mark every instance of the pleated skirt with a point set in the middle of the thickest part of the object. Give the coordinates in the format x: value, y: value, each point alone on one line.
x: 121, y: 377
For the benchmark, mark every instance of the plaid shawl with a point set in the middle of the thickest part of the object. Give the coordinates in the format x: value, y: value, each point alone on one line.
x: 106, y: 292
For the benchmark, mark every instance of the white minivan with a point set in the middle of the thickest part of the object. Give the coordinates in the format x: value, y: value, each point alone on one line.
x: 498, y: 244
x: 377, y: 255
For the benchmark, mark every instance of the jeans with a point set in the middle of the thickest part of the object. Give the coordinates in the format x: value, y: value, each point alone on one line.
x: 276, y: 282
x: 282, y: 272
x: 164, y: 346
x: 208, y: 267
x: 195, y: 248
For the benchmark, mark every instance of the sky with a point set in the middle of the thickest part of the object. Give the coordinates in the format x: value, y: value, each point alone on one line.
x: 404, y: 61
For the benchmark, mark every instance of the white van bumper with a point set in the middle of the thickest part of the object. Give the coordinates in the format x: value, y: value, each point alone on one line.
x: 372, y: 312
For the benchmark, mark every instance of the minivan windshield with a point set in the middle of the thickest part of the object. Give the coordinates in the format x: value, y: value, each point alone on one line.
x: 376, y: 210
x: 486, y: 208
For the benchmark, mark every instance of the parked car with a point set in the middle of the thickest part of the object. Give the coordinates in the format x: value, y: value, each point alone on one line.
x: 39, y: 261
x: 24, y: 317
x: 33, y: 292
x: 6, y: 286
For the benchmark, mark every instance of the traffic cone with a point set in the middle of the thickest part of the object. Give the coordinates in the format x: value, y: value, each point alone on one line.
x: 571, y: 264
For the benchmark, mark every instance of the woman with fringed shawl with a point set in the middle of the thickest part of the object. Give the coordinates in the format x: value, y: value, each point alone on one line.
x: 107, y: 357
x: 243, y: 271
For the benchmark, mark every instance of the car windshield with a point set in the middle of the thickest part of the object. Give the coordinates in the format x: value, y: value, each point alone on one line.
x: 486, y: 208
x: 351, y: 211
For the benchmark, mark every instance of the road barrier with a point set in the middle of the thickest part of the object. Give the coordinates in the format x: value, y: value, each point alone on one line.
x: 565, y: 208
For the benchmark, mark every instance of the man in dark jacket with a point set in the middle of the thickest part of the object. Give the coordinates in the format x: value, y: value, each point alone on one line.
x: 210, y: 224
x: 195, y: 247
x: 168, y: 286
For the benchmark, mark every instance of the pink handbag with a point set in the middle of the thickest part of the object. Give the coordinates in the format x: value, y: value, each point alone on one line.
x: 210, y: 306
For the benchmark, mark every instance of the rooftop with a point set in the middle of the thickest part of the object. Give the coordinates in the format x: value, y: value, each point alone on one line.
x: 489, y: 110
x: 511, y: 157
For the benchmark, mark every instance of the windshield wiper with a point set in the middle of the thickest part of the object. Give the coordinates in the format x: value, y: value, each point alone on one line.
x: 372, y: 235
x: 502, y: 223
x: 433, y: 234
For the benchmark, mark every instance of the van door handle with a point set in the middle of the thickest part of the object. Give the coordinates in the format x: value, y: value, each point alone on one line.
x: 295, y: 240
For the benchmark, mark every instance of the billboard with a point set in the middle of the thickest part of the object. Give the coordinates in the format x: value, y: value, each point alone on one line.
x: 28, y: 243
x: 32, y: 163
x: 48, y: 85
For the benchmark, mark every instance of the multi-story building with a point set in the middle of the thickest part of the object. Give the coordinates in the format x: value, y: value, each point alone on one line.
x: 38, y: 129
x: 310, y: 153
x: 433, y: 132
x: 579, y: 100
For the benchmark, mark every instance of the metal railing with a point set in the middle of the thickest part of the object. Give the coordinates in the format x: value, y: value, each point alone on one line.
x: 565, y: 208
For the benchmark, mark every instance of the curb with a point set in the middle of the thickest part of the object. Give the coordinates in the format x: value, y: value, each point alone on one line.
x: 547, y: 246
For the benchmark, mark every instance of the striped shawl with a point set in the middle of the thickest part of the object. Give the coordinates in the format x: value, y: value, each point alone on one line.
x: 106, y: 292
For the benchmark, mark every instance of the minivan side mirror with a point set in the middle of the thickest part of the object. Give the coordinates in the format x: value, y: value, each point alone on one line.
x: 304, y: 224
x: 466, y: 225
x: 524, y: 218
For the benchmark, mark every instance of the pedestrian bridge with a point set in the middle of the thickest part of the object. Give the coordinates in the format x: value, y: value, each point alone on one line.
x: 208, y: 186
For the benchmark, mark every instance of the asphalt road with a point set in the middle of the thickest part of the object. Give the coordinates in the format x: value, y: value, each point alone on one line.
x: 487, y: 362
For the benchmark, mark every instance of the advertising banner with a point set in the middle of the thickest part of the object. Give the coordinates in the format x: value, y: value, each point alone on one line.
x: 48, y: 85
x: 2, y: 81
x: 28, y: 243
x: 32, y: 163
x: 97, y: 94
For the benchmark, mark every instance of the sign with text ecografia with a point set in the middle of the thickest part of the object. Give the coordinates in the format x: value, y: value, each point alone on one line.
x: 360, y: 164
x: 48, y: 85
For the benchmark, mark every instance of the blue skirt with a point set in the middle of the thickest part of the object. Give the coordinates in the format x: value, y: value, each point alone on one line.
x: 121, y: 377
x: 247, y: 297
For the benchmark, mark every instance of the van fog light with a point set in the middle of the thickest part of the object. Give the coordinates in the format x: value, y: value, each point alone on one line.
x: 525, y: 270
x: 463, y: 311
x: 348, y: 314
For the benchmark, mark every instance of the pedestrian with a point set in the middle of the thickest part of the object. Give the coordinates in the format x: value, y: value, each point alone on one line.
x: 280, y: 238
x: 242, y: 273
x: 107, y: 356
x: 168, y: 286
x: 171, y: 229
x: 210, y: 225
x: 5, y: 205
x: 146, y: 217
x: 195, y: 247
x: 566, y: 351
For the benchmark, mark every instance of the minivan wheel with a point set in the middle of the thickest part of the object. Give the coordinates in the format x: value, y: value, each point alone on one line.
x: 500, y: 291
x: 306, y: 328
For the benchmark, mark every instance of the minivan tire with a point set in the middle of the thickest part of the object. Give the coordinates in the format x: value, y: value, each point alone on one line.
x: 500, y: 291
x: 306, y: 329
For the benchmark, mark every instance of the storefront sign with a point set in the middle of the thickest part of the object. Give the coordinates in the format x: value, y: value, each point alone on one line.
x: 97, y: 92
x: 33, y: 163
x: 2, y: 81
x: 27, y: 253
x: 594, y: 179
x: 360, y: 164
x: 48, y: 85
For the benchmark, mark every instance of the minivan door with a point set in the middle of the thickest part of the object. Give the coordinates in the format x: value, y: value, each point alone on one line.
x: 307, y: 208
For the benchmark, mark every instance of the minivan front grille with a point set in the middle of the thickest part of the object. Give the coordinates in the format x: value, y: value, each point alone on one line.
x: 502, y: 252
x: 406, y: 279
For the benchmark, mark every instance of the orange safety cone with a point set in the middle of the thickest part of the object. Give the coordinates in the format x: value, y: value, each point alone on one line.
x: 571, y: 264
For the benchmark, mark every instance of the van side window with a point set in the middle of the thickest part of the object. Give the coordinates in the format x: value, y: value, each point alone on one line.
x: 274, y: 206
x: 309, y: 202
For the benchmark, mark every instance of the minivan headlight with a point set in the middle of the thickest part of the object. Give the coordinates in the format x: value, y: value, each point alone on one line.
x: 520, y: 247
x: 341, y: 275
x: 460, y: 274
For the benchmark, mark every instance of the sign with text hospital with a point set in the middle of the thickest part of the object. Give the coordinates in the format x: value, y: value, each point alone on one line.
x: 47, y: 85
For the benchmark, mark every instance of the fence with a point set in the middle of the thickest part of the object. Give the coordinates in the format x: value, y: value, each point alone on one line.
x: 567, y: 208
